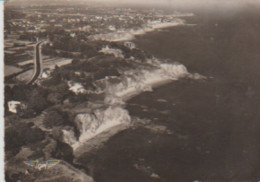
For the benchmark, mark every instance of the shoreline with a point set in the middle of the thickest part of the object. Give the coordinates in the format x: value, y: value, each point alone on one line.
x: 98, y: 140
x: 179, y: 72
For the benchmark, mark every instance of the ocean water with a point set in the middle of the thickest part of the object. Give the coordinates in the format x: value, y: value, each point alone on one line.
x: 192, y: 130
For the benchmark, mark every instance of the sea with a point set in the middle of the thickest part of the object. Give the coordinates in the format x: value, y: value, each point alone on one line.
x: 193, y: 129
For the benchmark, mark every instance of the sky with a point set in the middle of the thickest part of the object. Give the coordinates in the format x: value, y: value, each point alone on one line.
x: 163, y: 2
x: 189, y: 3
x: 214, y: 6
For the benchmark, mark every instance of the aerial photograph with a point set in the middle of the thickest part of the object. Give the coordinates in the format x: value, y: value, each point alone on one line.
x: 131, y: 90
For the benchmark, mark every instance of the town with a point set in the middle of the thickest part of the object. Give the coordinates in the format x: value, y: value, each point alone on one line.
x: 74, y: 32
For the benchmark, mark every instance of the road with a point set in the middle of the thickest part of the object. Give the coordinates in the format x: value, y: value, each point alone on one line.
x: 37, y: 63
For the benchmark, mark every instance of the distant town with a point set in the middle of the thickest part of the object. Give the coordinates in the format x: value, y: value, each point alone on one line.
x: 73, y: 32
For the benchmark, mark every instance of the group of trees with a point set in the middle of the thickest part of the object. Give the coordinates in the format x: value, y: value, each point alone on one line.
x: 41, y: 144
x: 135, y: 52
x: 71, y: 48
x: 33, y: 97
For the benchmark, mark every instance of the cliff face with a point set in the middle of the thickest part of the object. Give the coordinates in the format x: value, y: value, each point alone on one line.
x: 74, y: 125
x: 96, y: 127
x: 100, y: 123
x: 101, y: 120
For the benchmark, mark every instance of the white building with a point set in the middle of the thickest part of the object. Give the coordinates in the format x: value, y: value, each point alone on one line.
x: 12, y: 105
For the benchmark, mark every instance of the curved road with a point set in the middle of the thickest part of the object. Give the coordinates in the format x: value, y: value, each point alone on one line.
x: 37, y: 63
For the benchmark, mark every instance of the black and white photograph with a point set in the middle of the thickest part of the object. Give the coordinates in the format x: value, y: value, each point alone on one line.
x: 131, y: 90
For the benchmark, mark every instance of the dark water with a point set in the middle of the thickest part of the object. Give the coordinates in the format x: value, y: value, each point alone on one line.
x: 215, y: 123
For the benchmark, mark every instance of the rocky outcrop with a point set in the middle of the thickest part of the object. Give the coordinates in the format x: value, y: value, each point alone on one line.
x: 98, y: 125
